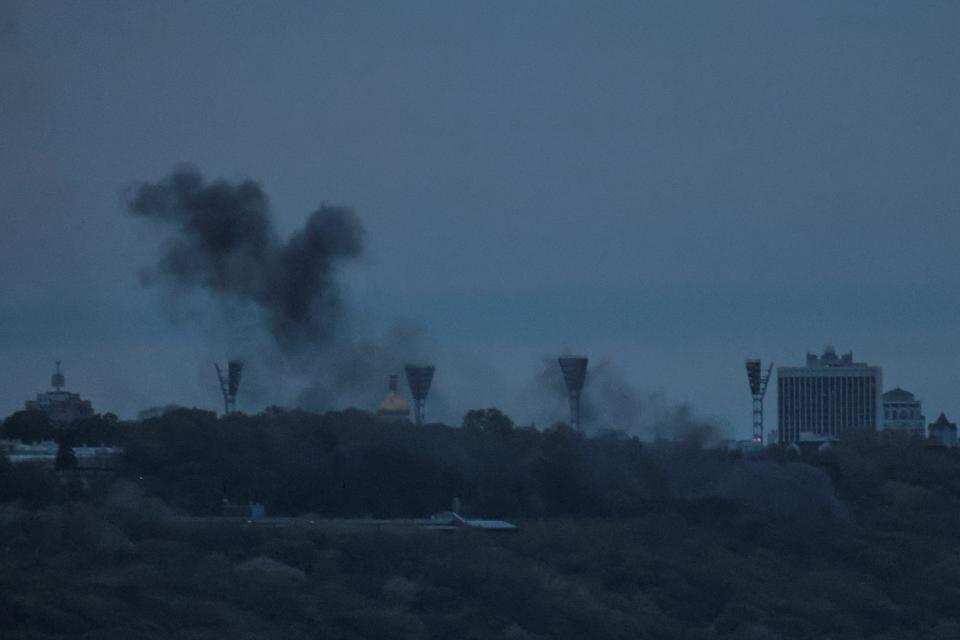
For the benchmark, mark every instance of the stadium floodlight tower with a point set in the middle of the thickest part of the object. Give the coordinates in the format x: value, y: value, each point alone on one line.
x: 758, y: 379
x: 574, y: 370
x: 230, y: 385
x: 419, y: 378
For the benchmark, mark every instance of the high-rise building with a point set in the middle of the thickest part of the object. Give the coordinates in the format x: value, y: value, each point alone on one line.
x: 902, y: 413
x: 829, y: 395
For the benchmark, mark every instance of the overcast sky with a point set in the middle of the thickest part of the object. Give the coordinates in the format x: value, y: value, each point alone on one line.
x: 674, y: 187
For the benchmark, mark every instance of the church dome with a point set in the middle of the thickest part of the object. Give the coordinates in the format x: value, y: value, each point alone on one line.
x: 898, y: 395
x: 393, y: 406
x: 393, y: 403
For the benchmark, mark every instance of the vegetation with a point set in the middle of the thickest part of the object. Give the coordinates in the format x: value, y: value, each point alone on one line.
x: 350, y: 464
x: 34, y: 426
x: 618, y: 539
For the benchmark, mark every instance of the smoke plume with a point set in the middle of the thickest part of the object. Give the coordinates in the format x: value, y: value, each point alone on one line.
x: 226, y: 244
x: 610, y: 403
x: 358, y: 369
x: 792, y: 489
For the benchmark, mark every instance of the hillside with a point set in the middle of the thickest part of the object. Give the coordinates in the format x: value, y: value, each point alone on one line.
x: 618, y: 539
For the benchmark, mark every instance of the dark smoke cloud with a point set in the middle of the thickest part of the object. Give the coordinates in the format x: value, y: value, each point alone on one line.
x: 610, y: 403
x: 287, y: 319
x: 357, y: 371
x: 795, y: 490
x: 226, y: 244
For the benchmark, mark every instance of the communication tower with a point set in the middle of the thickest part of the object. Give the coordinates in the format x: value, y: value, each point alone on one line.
x: 574, y: 370
x: 419, y: 378
x: 230, y: 385
x: 57, y: 380
x: 758, y: 379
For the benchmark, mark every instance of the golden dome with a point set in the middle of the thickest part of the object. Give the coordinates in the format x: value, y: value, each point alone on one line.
x: 393, y: 406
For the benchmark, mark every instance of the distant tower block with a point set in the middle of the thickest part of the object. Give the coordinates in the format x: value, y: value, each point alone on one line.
x: 419, y: 378
x: 574, y: 374
x: 758, y: 379
x: 230, y: 385
x: 57, y: 380
x: 62, y: 407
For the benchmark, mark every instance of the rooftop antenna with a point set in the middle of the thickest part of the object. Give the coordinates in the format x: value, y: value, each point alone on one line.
x: 758, y: 379
x: 57, y: 380
x: 230, y: 385
x: 419, y: 378
x: 574, y: 370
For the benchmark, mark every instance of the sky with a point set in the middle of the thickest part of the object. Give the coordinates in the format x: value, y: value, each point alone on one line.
x: 668, y: 187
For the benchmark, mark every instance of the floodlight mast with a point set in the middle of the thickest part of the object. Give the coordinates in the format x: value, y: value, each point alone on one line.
x: 230, y: 384
x: 419, y: 378
x: 758, y: 379
x: 574, y: 371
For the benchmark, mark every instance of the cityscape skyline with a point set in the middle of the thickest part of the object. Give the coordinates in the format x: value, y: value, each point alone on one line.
x: 521, y: 320
x: 633, y: 183
x: 802, y: 411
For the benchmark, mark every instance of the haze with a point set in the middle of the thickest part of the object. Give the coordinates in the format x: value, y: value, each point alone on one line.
x: 670, y: 187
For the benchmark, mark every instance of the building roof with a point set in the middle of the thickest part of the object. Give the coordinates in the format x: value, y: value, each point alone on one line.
x: 942, y: 423
x: 394, y: 404
x: 451, y: 519
x: 898, y: 395
x: 830, y: 360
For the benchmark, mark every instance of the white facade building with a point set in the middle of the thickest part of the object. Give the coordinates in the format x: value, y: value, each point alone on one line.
x: 902, y: 413
x: 826, y: 397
